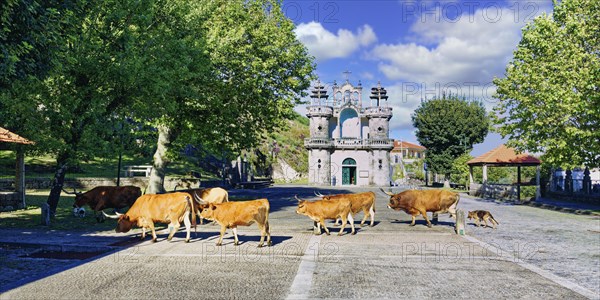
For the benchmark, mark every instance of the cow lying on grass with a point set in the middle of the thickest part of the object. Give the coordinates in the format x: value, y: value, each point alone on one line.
x: 242, y: 213
x: 171, y: 208
x: 415, y: 202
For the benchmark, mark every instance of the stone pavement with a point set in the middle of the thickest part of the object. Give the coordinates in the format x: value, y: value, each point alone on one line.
x: 388, y: 261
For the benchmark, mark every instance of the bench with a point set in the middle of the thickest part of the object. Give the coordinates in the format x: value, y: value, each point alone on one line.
x: 143, y: 169
x: 259, y: 184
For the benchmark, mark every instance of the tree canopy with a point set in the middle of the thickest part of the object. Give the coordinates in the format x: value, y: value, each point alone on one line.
x: 549, y: 99
x: 219, y: 73
x: 448, y: 126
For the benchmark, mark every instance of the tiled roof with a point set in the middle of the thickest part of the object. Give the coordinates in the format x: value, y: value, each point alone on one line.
x: 9, y: 137
x: 407, y: 145
x: 504, y: 155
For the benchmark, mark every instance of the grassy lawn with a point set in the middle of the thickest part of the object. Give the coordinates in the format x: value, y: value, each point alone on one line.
x: 31, y: 216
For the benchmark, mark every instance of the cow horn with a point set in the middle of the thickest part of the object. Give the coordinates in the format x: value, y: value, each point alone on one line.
x: 319, y: 194
x: 112, y: 216
x: 387, y: 193
x: 299, y: 200
x: 198, y: 199
x: 69, y: 193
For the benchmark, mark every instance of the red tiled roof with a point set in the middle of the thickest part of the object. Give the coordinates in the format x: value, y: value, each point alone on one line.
x: 407, y: 145
x: 504, y: 155
x: 9, y: 137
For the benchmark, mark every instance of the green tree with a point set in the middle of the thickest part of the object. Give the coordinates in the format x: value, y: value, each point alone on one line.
x: 30, y: 33
x: 460, y: 169
x: 448, y: 126
x: 550, y: 95
x: 258, y: 72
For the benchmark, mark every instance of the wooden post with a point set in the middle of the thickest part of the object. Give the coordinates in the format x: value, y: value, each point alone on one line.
x: 460, y: 222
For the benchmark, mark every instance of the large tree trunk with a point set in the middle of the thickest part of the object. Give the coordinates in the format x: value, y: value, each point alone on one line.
x: 57, y: 185
x: 156, y: 183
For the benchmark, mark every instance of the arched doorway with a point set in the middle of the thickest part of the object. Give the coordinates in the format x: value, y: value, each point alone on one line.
x: 349, y: 172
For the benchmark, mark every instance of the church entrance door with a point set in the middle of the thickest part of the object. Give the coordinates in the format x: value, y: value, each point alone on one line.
x: 349, y: 172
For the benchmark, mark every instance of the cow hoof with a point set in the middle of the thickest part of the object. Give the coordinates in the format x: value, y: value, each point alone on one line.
x: 154, y: 240
x: 429, y: 225
x: 236, y: 243
x: 339, y: 234
x: 362, y: 224
x: 328, y: 233
x: 187, y: 240
x: 372, y: 225
x: 219, y: 244
x: 411, y: 224
x: 269, y: 243
x: 353, y: 232
x: 260, y: 245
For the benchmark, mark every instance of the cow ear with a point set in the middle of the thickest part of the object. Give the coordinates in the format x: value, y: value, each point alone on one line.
x: 213, y: 207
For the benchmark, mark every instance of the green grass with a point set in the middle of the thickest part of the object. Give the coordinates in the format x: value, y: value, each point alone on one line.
x: 30, y: 217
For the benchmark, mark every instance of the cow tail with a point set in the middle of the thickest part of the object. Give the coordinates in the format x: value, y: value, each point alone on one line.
x: 226, y: 197
x: 192, y: 210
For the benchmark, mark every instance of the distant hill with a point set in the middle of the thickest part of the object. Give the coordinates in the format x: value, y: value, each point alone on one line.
x: 290, y: 143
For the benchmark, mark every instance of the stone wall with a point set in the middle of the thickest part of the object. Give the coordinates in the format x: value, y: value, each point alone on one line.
x: 10, y: 201
x: 83, y: 184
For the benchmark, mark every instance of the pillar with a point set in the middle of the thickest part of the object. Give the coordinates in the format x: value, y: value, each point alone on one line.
x: 20, y: 177
x: 484, y: 174
x: 518, y: 183
x: 538, y: 194
x: 470, y: 174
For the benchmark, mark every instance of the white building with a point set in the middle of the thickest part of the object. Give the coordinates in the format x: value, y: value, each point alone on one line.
x: 349, y: 140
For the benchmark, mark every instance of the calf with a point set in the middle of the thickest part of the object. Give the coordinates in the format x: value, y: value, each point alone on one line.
x: 243, y: 213
x: 320, y: 210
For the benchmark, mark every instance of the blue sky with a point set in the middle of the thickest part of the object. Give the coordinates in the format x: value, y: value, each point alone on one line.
x: 415, y: 48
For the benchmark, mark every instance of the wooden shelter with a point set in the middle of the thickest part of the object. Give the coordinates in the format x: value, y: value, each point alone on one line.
x: 8, y: 137
x: 503, y: 156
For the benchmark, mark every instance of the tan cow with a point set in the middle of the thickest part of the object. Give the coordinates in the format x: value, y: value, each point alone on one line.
x: 242, y: 213
x: 360, y: 202
x: 171, y: 208
x: 320, y: 210
x: 416, y: 202
x: 209, y: 195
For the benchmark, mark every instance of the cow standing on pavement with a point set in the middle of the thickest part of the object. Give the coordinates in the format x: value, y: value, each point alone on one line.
x: 364, y: 202
x: 172, y: 209
x: 415, y: 202
x: 242, y: 213
x: 209, y: 195
x: 320, y: 210
x: 102, y: 197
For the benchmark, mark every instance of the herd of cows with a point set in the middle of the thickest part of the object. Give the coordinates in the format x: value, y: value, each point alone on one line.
x: 213, y: 204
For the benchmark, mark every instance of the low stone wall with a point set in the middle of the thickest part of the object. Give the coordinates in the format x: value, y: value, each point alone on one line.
x: 83, y: 184
x: 10, y: 201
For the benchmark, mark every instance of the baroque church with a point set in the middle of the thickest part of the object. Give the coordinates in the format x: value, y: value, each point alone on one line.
x: 349, y: 142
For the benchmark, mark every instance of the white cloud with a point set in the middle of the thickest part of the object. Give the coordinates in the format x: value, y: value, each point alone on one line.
x: 323, y: 44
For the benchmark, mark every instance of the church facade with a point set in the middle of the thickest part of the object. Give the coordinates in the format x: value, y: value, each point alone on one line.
x: 349, y: 142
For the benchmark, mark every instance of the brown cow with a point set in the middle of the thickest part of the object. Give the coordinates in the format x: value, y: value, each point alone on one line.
x: 361, y: 201
x: 243, y: 213
x: 209, y: 195
x: 169, y: 208
x: 320, y: 210
x: 102, y: 197
x: 416, y: 202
